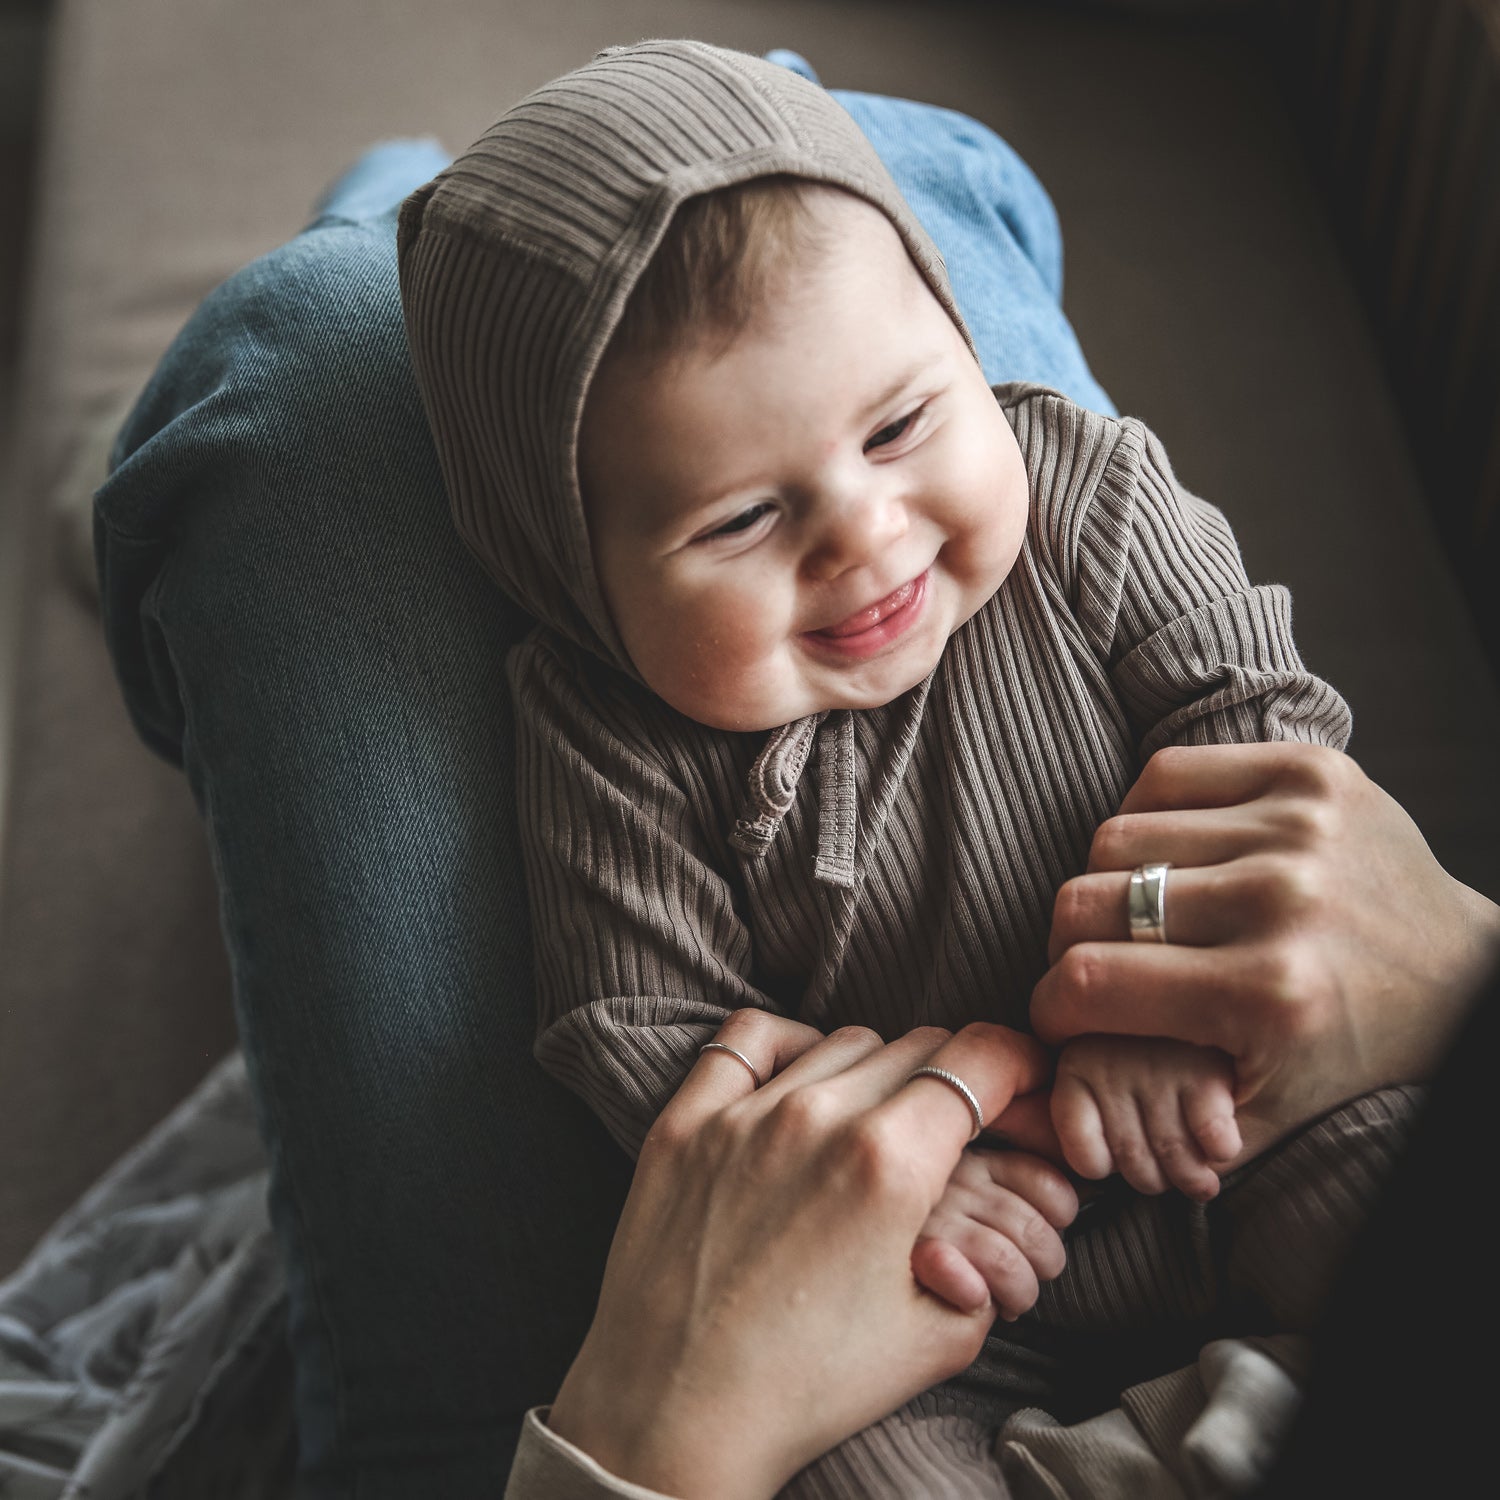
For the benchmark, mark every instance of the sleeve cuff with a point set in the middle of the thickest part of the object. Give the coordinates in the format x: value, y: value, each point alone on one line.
x: 548, y: 1467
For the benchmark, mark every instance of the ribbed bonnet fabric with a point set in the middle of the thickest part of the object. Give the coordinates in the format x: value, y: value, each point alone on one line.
x: 516, y: 263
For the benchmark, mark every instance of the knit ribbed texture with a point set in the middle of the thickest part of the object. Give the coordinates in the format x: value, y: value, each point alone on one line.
x: 1127, y: 623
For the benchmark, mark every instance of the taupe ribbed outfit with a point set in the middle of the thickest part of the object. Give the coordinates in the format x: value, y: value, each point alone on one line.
x: 892, y: 867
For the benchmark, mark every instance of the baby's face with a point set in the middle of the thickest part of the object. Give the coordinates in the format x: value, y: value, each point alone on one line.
x: 799, y: 521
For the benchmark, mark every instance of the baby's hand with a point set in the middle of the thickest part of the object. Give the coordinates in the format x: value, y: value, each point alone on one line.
x: 1161, y: 1113
x: 994, y: 1232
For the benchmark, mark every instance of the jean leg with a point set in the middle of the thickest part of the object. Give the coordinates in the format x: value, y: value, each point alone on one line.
x: 998, y: 234
x: 296, y: 623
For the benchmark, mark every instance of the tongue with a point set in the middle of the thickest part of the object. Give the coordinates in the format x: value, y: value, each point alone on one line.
x: 868, y: 619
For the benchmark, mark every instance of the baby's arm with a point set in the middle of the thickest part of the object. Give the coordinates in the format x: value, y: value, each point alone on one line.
x: 1158, y: 1112
x: 640, y: 952
x: 1196, y: 655
x: 994, y: 1234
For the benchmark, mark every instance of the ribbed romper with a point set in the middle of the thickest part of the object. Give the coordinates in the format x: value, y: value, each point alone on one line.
x: 891, y: 867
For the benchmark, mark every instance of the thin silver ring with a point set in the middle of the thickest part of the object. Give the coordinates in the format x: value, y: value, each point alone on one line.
x: 955, y: 1082
x: 720, y: 1047
x: 1146, y: 904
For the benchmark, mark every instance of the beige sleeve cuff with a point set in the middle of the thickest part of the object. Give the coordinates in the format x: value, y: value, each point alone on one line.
x: 548, y: 1467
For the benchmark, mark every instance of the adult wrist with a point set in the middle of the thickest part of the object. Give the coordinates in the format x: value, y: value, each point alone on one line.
x: 1463, y: 933
x: 549, y: 1467
x: 1479, y: 958
x: 656, y: 1444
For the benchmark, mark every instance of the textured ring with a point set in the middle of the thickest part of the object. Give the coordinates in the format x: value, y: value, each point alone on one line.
x: 720, y: 1047
x: 1147, y: 904
x: 959, y: 1086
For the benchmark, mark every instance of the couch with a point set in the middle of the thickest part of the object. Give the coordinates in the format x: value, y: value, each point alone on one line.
x: 1205, y: 277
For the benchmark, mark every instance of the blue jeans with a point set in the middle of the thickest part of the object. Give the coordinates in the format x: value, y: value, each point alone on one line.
x: 295, y: 623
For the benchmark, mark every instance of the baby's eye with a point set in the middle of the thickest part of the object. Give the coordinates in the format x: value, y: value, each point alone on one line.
x: 889, y: 434
x: 742, y: 522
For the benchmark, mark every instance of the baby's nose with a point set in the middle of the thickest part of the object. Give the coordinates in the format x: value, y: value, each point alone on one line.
x: 856, y: 530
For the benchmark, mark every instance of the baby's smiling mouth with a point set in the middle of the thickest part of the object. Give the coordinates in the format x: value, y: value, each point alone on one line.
x: 869, y: 617
x: 870, y: 631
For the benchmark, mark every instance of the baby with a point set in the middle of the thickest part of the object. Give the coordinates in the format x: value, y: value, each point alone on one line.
x: 844, y: 656
x: 794, y: 506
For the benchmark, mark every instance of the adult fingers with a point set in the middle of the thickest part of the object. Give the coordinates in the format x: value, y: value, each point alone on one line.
x: 994, y: 1062
x: 767, y: 1043
x: 840, y: 1050
x: 1201, y: 909
x: 1204, y: 776
x: 860, y: 1071
x: 1148, y: 989
x: 1276, y: 891
x: 1026, y: 1124
x: 1204, y: 836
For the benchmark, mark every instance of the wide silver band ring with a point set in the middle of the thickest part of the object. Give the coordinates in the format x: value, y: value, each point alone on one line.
x: 720, y: 1047
x: 957, y: 1084
x: 1147, y: 904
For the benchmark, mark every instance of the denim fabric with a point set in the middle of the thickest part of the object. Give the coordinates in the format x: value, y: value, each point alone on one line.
x: 295, y: 623
x: 998, y: 234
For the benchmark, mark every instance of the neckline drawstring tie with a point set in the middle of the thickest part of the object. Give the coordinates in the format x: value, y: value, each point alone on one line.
x: 775, y: 777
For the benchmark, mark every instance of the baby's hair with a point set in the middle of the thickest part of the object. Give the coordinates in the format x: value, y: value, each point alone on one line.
x: 716, y: 262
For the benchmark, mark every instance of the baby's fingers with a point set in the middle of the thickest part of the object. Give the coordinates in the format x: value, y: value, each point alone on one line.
x: 1034, y: 1181
x: 1208, y: 1107
x: 944, y: 1271
x: 1007, y: 1234
x: 1130, y: 1143
x: 1178, y: 1157
x: 1003, y: 1266
x: 1080, y: 1127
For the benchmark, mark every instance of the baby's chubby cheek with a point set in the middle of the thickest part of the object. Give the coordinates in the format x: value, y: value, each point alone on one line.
x: 715, y: 672
x: 1000, y: 493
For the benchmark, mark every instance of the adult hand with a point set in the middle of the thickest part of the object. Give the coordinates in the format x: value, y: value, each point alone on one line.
x: 1311, y: 935
x: 758, y: 1305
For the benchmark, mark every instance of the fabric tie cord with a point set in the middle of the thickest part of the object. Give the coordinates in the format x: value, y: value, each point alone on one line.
x: 775, y: 777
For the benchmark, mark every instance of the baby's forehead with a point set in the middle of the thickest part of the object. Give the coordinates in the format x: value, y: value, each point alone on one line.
x: 698, y: 397
x: 849, y: 238
x: 751, y: 413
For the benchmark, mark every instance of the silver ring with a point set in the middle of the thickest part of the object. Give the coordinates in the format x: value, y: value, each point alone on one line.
x: 720, y: 1047
x: 1147, y: 904
x: 955, y: 1082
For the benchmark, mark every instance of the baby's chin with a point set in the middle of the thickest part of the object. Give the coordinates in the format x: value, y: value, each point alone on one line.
x: 772, y: 711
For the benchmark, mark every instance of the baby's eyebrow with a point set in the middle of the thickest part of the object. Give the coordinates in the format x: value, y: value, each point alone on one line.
x: 676, y: 520
x: 909, y: 377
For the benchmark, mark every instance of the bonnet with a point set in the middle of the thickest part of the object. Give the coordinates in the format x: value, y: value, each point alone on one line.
x: 516, y: 263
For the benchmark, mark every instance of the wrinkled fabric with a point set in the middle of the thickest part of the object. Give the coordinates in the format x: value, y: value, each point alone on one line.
x: 148, y: 1326
x: 1205, y: 1432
